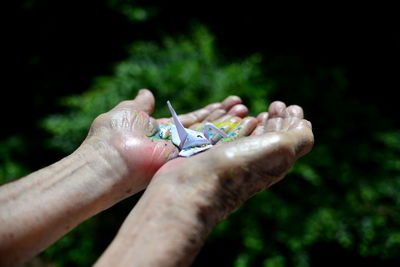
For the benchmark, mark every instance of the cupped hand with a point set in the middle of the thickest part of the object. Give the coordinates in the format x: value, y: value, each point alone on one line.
x: 188, y: 196
x: 122, y: 135
x: 237, y: 168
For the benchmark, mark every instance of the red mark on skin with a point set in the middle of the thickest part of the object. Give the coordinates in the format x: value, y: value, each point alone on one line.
x: 142, y: 156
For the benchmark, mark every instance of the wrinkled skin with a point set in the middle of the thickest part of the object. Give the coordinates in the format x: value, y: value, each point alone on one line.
x: 128, y: 126
x: 116, y: 160
x: 188, y: 196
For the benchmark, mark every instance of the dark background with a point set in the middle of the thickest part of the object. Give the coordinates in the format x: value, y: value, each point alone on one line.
x: 54, y: 49
x: 92, y: 37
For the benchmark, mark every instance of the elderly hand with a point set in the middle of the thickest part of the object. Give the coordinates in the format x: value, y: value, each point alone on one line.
x: 188, y: 196
x: 121, y: 137
x: 116, y: 160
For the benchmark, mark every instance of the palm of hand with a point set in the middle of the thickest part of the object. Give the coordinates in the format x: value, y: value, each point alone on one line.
x: 236, y: 169
x: 128, y: 126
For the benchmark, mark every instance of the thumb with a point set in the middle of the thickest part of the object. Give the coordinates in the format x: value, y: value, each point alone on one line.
x: 144, y: 101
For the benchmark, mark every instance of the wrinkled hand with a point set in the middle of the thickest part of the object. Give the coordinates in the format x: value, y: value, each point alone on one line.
x: 188, y: 196
x: 234, y: 170
x: 122, y: 135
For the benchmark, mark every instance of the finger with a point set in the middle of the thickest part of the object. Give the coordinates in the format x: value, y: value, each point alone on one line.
x: 239, y: 110
x: 262, y: 121
x: 214, y: 111
x: 144, y: 101
x: 276, y: 109
x: 229, y: 104
x: 273, y: 125
x: 216, y: 114
x: 301, y: 124
x: 245, y: 128
x: 293, y: 114
x: 231, y: 101
x: 233, y: 122
x: 199, y: 115
x: 288, y: 123
x: 236, y: 111
x: 194, y: 117
x: 225, y: 123
x: 303, y: 137
x: 224, y: 118
x: 263, y: 117
x: 294, y: 111
x: 308, y: 123
x: 213, y: 106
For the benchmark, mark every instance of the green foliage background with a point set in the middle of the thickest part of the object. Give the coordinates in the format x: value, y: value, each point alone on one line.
x: 186, y: 71
x: 341, y: 202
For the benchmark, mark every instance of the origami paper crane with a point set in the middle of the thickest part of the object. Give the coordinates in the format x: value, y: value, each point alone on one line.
x: 189, y: 141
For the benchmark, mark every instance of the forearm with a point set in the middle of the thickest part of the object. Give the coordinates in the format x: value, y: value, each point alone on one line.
x: 188, y: 197
x: 167, y: 227
x: 38, y: 209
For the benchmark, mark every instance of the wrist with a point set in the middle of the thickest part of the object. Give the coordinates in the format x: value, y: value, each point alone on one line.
x: 190, y: 195
x: 110, y: 169
x: 53, y: 200
x: 201, y: 189
x: 167, y: 227
x: 102, y: 158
